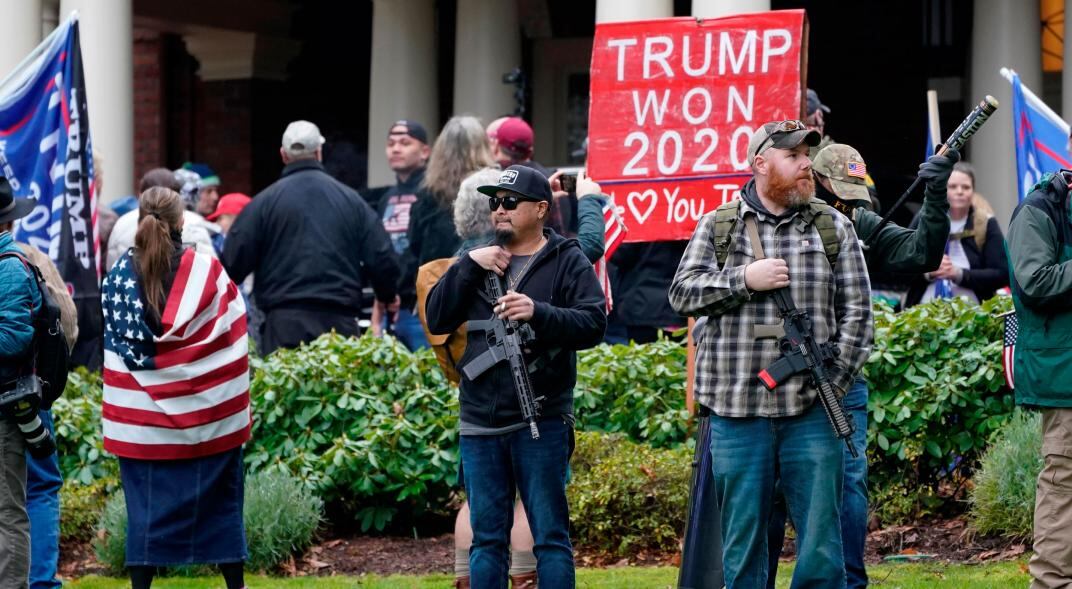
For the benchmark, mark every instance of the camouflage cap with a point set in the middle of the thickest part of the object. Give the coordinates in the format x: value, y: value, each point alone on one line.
x: 845, y: 169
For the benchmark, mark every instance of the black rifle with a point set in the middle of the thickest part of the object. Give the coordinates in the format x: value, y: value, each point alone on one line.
x: 800, y: 352
x: 506, y: 338
x: 972, y: 123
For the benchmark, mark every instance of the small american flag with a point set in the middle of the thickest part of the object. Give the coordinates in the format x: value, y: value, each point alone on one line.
x: 856, y: 169
x: 184, y: 393
x: 1012, y: 328
x: 614, y: 231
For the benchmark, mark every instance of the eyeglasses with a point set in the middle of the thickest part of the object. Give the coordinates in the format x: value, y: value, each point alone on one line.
x: 780, y: 129
x: 508, y: 202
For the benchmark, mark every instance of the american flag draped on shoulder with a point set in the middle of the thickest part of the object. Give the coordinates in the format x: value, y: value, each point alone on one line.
x: 185, y: 393
x: 614, y: 231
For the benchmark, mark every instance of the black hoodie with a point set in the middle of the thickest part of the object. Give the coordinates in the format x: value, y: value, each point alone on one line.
x: 569, y: 315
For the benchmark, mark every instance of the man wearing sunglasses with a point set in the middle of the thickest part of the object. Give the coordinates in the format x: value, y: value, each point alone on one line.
x: 758, y: 436
x: 550, y: 285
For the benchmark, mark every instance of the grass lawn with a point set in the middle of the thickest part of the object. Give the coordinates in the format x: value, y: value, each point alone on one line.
x: 900, y: 576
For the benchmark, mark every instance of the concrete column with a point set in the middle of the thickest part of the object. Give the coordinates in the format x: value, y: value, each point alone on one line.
x: 1003, y: 34
x: 403, y: 83
x: 107, y: 60
x: 717, y: 8
x: 626, y: 10
x: 487, y: 45
x: 22, y: 32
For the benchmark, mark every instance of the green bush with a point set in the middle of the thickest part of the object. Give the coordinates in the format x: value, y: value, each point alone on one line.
x: 81, y: 507
x: 110, y: 543
x: 636, y: 390
x: 79, y: 440
x: 369, y: 425
x: 1003, y: 500
x: 937, y: 393
x: 627, y: 497
x: 281, y: 515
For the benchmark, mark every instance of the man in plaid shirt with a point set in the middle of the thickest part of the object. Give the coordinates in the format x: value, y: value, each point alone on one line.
x: 759, y: 436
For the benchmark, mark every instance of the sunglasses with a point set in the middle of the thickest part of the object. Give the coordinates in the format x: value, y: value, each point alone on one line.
x: 508, y: 202
x: 780, y: 129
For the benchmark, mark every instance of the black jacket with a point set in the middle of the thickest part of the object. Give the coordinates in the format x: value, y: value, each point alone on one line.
x: 989, y: 268
x: 641, y: 274
x: 311, y: 241
x: 431, y: 236
x: 407, y: 287
x: 569, y: 315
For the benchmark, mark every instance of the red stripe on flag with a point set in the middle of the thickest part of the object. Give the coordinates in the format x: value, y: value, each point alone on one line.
x: 193, y: 353
x: 171, y: 309
x: 177, y: 451
x: 201, y: 417
x: 179, y: 388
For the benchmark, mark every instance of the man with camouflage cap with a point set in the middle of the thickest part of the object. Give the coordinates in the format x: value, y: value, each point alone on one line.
x: 840, y: 174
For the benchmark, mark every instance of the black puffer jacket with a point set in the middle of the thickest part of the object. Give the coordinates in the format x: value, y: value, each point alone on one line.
x: 569, y: 315
x: 312, y: 242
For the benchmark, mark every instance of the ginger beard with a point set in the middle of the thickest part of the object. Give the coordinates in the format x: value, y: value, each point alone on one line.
x: 790, y: 191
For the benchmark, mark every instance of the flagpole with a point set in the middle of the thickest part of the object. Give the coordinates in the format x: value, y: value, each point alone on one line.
x: 37, y: 52
x: 1036, y: 101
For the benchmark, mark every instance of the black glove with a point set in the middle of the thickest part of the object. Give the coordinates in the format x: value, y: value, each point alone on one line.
x: 935, y: 172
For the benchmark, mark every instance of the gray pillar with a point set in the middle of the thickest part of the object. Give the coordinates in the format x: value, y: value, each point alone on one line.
x: 717, y: 8
x: 107, y: 40
x: 403, y: 84
x: 626, y: 10
x: 487, y: 45
x: 1004, y: 34
x: 22, y: 32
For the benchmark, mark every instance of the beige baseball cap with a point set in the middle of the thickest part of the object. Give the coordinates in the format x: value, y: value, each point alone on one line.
x: 845, y: 169
x: 782, y: 135
x: 302, y: 138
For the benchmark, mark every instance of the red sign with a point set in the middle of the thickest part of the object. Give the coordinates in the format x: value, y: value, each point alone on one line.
x: 674, y: 103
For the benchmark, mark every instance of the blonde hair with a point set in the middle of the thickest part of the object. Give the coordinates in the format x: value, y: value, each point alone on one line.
x: 159, y: 215
x: 461, y: 149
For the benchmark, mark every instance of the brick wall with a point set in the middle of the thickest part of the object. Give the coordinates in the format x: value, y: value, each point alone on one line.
x: 149, y: 103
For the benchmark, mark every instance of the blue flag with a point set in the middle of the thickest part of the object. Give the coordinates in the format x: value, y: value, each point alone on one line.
x: 46, y: 155
x: 1041, y: 137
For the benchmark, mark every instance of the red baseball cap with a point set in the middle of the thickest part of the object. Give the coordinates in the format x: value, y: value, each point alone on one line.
x: 230, y: 204
x: 515, y: 136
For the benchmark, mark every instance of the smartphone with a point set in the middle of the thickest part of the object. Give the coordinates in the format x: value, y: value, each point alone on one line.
x: 568, y: 182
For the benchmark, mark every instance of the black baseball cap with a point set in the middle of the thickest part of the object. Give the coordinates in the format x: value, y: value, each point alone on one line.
x: 522, y: 180
x: 411, y: 128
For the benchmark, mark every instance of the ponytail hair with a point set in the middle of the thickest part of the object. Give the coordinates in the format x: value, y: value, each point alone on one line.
x: 159, y: 215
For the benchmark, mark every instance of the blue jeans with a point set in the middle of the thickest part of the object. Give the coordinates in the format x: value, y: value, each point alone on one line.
x: 749, y: 455
x: 43, y: 482
x: 409, y: 331
x: 854, y: 498
x: 496, y: 468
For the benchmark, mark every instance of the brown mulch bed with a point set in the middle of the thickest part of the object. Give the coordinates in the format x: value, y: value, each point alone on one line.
x: 949, y: 540
x: 945, y: 540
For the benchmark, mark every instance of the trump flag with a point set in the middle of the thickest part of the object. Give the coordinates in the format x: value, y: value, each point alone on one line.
x: 46, y: 155
x: 1041, y: 136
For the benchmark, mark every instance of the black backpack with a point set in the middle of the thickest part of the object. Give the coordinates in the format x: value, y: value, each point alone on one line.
x: 51, y: 356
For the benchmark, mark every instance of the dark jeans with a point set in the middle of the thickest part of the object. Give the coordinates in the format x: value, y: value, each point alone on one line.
x: 408, y: 330
x: 14, y: 523
x: 289, y: 328
x: 43, y: 482
x: 498, y: 467
x: 853, y: 504
x: 749, y: 455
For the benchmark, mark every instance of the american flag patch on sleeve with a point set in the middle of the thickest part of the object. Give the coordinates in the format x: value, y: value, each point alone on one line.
x: 856, y: 169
